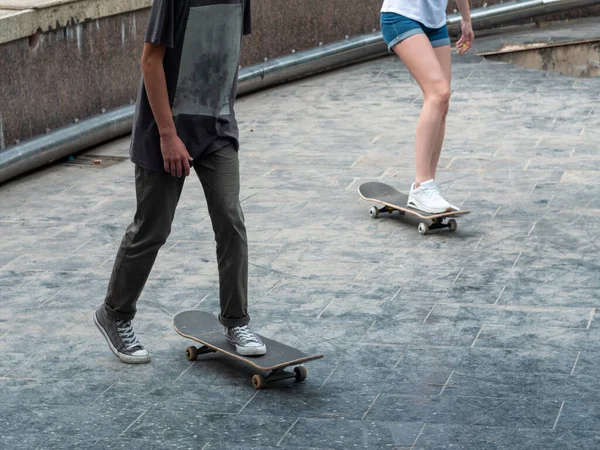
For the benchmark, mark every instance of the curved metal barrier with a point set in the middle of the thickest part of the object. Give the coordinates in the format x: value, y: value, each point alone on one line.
x: 90, y: 132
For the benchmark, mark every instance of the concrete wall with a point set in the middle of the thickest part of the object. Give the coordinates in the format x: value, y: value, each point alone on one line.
x: 91, y: 61
x: 70, y: 73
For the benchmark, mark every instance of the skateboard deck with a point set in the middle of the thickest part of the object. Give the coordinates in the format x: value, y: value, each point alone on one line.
x: 394, y: 200
x: 204, y: 328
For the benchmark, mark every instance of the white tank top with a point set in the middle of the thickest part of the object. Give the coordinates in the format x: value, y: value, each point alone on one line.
x: 431, y: 13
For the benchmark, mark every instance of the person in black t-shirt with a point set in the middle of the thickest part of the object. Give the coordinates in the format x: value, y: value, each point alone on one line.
x: 185, y: 119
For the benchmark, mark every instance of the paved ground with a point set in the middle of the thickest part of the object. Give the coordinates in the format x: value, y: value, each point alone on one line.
x: 480, y: 339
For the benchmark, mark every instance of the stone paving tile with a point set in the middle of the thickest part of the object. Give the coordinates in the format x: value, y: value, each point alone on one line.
x: 11, y: 278
x: 220, y: 429
x: 64, y: 420
x: 513, y: 315
x: 579, y: 414
x: 351, y: 434
x: 120, y: 443
x: 20, y: 440
x: 450, y: 334
x: 367, y: 357
x: 397, y: 379
x: 6, y: 258
x: 216, y: 446
x: 348, y: 404
x: 552, y: 338
x: 442, y: 436
x: 586, y: 363
x: 530, y: 292
x: 482, y: 338
x: 31, y: 392
x: 484, y: 411
x: 160, y: 295
x: 69, y: 263
x: 448, y: 293
x: 10, y: 359
x: 168, y: 396
x: 523, y: 385
x: 64, y: 364
x: 492, y: 360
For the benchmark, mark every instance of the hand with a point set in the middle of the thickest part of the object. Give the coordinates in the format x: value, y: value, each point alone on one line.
x: 466, y: 41
x: 175, y: 156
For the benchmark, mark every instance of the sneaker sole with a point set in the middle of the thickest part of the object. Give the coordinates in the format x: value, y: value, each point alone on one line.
x: 123, y: 357
x: 416, y: 205
x: 252, y: 351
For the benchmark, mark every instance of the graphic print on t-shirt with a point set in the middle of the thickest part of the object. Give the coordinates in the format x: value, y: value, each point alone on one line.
x: 211, y: 52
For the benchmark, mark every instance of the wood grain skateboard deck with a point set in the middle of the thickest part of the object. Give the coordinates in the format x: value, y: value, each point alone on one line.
x: 205, y: 328
x: 394, y: 200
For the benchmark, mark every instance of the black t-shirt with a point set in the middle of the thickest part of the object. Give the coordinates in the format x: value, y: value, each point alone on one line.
x: 203, y: 40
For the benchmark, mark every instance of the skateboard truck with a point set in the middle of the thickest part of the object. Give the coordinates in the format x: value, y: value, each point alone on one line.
x: 375, y: 211
x: 393, y: 200
x: 259, y: 381
x: 205, y: 329
x: 437, y: 224
x: 193, y: 352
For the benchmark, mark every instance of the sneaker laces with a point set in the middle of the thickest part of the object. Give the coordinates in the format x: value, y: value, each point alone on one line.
x: 244, y: 334
x: 127, y: 335
x: 433, y: 192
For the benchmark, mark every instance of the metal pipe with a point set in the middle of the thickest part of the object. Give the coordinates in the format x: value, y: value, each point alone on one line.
x: 311, y: 62
x: 66, y: 141
x: 506, y: 13
x: 59, y: 144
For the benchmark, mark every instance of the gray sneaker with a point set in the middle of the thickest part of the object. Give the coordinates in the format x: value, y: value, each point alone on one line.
x: 121, y: 338
x: 246, y: 343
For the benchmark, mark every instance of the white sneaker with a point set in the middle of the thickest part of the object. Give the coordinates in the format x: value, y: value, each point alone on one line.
x: 427, y: 198
x: 455, y: 208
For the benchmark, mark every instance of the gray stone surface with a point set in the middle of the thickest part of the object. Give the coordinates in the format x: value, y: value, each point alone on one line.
x: 551, y: 33
x: 481, y: 339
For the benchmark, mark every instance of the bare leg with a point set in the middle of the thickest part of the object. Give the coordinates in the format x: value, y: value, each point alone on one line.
x: 444, y: 56
x: 423, y: 63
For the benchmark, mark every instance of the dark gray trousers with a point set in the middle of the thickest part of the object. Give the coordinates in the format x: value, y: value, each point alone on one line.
x: 157, y: 197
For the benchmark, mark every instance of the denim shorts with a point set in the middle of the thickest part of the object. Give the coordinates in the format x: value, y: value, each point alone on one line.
x: 396, y: 28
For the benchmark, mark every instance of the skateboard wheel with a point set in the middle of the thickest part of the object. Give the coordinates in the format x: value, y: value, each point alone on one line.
x: 452, y: 225
x: 301, y: 373
x: 374, y: 212
x: 259, y: 381
x: 191, y: 353
x: 423, y: 229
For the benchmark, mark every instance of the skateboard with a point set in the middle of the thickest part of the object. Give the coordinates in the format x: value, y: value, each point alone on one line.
x: 204, y: 328
x: 394, y: 200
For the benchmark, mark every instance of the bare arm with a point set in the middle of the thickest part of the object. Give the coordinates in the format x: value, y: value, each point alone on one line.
x: 175, y: 155
x: 466, y: 40
x: 465, y: 10
x: 156, y: 86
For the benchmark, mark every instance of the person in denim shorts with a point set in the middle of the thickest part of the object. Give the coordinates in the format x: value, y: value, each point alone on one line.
x: 416, y: 31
